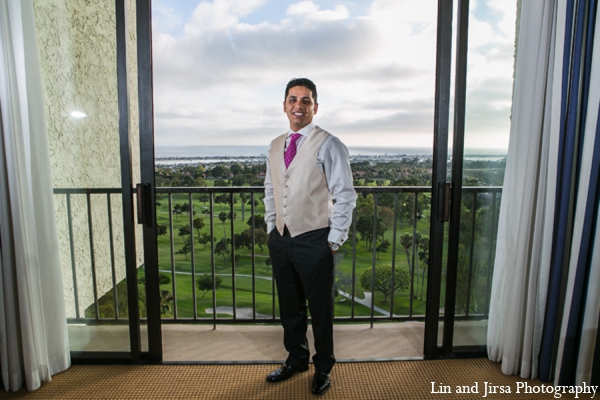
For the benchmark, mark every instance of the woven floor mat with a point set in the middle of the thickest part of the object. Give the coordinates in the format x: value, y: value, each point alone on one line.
x: 394, y: 380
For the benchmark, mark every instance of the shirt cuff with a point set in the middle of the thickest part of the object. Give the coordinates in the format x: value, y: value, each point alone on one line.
x: 337, y: 236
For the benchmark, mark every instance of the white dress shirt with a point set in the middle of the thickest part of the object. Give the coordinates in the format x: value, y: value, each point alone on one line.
x: 333, y: 160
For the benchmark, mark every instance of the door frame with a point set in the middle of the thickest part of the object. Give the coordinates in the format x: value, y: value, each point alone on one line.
x: 438, y: 180
x: 145, y: 190
x: 445, y: 199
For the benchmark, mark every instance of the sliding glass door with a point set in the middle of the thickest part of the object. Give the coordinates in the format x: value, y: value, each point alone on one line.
x: 472, y: 173
x: 89, y: 72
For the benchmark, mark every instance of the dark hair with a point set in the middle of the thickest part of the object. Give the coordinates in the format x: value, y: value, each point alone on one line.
x: 307, y: 83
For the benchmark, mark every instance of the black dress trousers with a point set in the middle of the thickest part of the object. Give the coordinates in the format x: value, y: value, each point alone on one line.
x: 303, y: 271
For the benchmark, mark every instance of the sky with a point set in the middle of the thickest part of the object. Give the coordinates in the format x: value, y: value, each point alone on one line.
x: 221, y: 66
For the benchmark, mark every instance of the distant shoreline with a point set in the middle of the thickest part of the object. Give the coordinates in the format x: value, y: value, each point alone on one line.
x: 376, y: 158
x: 233, y: 152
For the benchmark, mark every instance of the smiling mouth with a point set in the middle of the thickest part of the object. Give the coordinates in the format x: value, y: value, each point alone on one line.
x: 297, y: 114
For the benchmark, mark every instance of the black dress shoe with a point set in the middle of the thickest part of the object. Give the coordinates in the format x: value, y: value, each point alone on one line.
x: 285, y: 372
x: 321, y: 383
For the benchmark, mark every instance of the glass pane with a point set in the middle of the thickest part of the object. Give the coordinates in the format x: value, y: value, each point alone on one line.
x: 77, y: 42
x: 218, y: 107
x: 488, y: 105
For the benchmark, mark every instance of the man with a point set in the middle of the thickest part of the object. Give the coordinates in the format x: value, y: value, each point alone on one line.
x: 307, y: 169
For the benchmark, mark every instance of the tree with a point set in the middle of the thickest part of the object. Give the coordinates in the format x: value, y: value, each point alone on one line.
x: 223, y: 216
x: 219, y: 171
x: 243, y: 239
x: 185, y: 234
x: 260, y: 238
x: 236, y: 168
x: 224, y: 199
x: 222, y: 248
x: 238, y: 180
x: 177, y: 209
x: 383, y: 280
x: 422, y: 249
x: 424, y: 258
x: 184, y: 231
x: 166, y: 297
x: 187, y: 247
x: 221, y: 199
x: 383, y: 247
x: 205, y: 283
x: 198, y: 225
x: 185, y: 208
x: 244, y: 198
x: 385, y: 215
x: 364, y: 227
x: 203, y: 198
x: 259, y: 222
x: 163, y: 279
x: 406, y: 241
x: 161, y: 229
x: 204, y: 239
x: 199, y: 181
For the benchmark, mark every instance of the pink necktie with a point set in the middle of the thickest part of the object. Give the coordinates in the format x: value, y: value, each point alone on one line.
x: 290, y: 152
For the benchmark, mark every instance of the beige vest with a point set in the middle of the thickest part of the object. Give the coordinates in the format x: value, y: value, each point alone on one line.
x: 302, y: 199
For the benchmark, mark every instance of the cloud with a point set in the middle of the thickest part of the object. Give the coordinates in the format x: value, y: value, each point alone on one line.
x: 221, y: 76
x: 309, y: 11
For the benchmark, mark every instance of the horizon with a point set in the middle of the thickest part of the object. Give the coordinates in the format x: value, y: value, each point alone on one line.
x: 228, y: 151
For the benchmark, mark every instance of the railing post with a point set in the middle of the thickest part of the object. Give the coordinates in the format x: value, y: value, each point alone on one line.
x: 373, y: 266
x: 192, y: 239
x: 172, y: 253
x: 112, y: 257
x: 72, y: 251
x: 212, y: 259
x: 253, y: 254
x: 232, y: 226
x: 92, y: 255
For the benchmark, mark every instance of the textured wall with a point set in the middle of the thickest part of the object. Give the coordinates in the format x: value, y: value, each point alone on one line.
x: 77, y: 41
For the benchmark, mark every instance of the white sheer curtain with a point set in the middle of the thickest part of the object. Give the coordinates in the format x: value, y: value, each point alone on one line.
x: 521, y: 268
x: 33, y: 332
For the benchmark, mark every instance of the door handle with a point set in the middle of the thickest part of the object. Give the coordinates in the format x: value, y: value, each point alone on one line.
x: 444, y: 192
x: 144, y: 204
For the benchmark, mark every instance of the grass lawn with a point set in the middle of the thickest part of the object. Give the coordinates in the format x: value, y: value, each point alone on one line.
x: 202, y: 263
x: 181, y: 264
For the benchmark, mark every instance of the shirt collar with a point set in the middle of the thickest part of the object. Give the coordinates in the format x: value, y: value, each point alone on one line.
x: 304, y: 131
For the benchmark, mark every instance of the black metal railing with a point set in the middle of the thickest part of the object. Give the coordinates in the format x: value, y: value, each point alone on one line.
x: 380, y: 271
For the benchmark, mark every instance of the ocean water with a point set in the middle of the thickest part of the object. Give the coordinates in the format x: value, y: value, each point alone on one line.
x: 257, y: 151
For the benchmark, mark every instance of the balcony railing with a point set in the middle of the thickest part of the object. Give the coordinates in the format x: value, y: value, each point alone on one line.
x: 213, y: 237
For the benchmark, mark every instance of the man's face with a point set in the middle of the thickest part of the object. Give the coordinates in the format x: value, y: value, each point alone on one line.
x: 299, y: 107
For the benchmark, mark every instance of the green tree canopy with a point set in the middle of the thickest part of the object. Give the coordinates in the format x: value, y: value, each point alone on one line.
x: 204, y: 283
x: 383, y: 280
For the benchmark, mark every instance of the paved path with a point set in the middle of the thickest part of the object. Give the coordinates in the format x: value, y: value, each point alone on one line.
x: 366, y: 302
